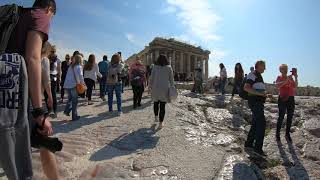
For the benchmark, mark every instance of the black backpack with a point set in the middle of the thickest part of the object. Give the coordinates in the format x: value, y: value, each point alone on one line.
x: 242, y: 93
x: 9, y: 17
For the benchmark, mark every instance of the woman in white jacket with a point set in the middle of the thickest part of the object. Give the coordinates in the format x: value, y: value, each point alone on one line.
x: 90, y: 73
x: 74, y: 75
x: 161, y: 80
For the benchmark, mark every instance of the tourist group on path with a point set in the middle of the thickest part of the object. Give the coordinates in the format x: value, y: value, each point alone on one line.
x: 30, y: 70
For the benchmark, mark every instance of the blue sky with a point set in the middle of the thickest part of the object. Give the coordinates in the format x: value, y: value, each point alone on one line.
x: 286, y: 31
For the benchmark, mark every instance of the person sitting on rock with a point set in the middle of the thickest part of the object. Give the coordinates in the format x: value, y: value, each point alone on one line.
x: 286, y: 103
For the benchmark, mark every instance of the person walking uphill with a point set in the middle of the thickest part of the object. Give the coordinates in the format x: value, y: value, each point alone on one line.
x: 161, y: 80
x: 103, y: 68
x: 74, y: 76
x: 256, y: 89
x: 114, y: 82
x: 137, y: 76
x: 91, y: 71
x: 286, y: 103
x: 23, y: 56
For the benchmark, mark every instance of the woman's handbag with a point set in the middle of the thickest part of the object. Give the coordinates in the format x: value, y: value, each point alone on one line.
x: 173, y: 93
x: 81, y: 88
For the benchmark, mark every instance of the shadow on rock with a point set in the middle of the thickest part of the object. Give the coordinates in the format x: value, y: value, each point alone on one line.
x: 126, y: 144
x: 243, y: 171
x: 294, y: 169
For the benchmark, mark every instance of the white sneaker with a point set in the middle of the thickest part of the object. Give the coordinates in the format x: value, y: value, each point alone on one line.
x: 156, y: 119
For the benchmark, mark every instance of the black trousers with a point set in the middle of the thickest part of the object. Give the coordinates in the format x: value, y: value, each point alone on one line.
x: 256, y: 134
x: 236, y: 87
x: 285, y: 107
x: 54, y: 85
x: 89, y: 83
x: 162, y: 109
x: 137, y: 95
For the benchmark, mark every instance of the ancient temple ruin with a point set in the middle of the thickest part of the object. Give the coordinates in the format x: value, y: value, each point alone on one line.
x: 184, y: 58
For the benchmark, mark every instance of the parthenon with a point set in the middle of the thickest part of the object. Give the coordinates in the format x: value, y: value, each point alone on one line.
x: 184, y: 58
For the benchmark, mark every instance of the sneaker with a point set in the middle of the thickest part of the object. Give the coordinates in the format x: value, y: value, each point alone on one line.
x: 53, y: 115
x: 160, y: 125
x: 156, y: 119
x: 76, y: 118
x: 119, y: 113
x: 67, y: 114
x: 90, y: 103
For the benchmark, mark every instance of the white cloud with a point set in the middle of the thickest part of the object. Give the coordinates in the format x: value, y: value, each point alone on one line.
x: 198, y: 16
x: 133, y: 39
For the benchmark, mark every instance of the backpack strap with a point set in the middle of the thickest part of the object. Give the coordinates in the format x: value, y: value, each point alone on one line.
x: 9, y: 17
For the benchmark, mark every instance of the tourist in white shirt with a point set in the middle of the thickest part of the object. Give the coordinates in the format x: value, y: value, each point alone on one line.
x: 223, y: 78
x: 74, y: 76
x: 91, y: 71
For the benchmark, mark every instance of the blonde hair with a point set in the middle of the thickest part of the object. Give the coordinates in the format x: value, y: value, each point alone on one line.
x: 78, y: 60
x: 283, y: 66
x: 260, y: 62
x: 46, y: 48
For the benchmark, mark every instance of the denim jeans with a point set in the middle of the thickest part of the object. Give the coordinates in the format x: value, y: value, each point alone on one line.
x: 222, y: 86
x: 117, y: 88
x: 256, y: 134
x: 103, y: 86
x: 72, y: 103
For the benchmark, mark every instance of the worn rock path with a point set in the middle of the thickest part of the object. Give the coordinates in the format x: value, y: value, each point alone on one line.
x: 202, y: 138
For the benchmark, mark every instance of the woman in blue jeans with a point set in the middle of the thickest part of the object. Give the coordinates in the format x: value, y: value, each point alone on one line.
x: 74, y: 75
x: 114, y: 82
x: 223, y: 78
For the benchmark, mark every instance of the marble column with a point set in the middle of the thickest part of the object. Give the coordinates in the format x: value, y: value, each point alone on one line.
x: 181, y: 63
x: 156, y: 55
x: 207, y: 68
x: 173, y: 55
x: 188, y: 65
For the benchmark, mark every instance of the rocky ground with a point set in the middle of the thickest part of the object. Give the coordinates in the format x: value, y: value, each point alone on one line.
x: 203, y: 138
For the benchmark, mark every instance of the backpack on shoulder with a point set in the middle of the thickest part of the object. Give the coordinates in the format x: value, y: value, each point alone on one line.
x: 242, y: 93
x: 113, y: 74
x: 9, y: 17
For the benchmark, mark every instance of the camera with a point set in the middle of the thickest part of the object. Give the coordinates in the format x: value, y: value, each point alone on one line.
x: 294, y: 71
x: 40, y: 141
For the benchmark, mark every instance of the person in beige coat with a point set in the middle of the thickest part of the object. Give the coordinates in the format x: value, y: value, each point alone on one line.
x: 161, y: 80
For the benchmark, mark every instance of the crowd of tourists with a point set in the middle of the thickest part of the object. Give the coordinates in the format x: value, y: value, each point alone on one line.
x: 31, y: 71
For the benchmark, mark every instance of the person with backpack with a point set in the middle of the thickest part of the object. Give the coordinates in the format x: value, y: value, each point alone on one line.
x: 91, y: 71
x: 64, y: 69
x: 137, y: 76
x: 103, y: 68
x: 114, y: 82
x: 198, y: 81
x: 161, y: 80
x: 256, y: 89
x: 55, y: 71
x: 23, y: 32
x: 223, y: 78
x: 238, y: 79
x: 74, y: 77
x: 286, y: 103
